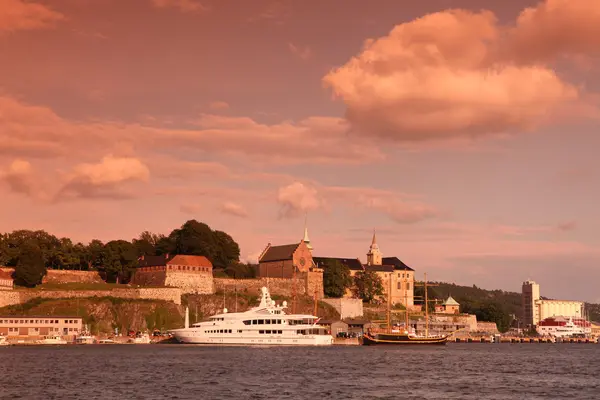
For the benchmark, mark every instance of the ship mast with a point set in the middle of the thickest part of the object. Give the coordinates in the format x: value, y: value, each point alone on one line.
x: 294, y: 289
x: 406, y: 301
x: 426, y: 309
x: 389, y: 305
x: 316, y: 303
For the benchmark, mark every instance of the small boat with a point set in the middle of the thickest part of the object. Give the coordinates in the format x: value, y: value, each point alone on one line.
x: 4, y: 341
x: 106, y: 341
x: 85, y: 338
x: 140, y: 338
x: 395, y: 336
x: 52, y: 339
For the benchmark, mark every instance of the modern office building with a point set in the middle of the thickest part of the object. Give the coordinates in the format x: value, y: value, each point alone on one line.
x: 536, y: 309
x: 31, y: 327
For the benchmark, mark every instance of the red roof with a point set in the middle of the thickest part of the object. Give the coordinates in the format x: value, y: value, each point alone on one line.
x: 192, y: 261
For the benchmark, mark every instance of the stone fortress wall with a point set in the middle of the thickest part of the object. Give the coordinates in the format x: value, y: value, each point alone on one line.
x: 161, y: 284
x: 306, y: 284
x: 67, y: 276
x: 8, y: 298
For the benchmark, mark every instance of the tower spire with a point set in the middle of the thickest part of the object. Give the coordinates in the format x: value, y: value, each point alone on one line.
x: 374, y: 256
x: 306, y: 239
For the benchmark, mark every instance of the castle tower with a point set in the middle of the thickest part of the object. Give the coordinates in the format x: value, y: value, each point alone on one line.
x: 374, y: 255
x: 306, y: 239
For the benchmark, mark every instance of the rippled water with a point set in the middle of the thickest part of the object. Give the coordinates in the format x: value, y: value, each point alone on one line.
x: 455, y: 371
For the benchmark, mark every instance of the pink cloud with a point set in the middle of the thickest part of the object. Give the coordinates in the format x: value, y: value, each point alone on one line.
x: 19, y: 178
x: 298, y: 198
x: 104, y: 179
x: 304, y: 53
x: 234, y: 209
x: 37, y: 131
x: 400, y: 207
x: 218, y: 105
x: 181, y: 5
x: 17, y: 15
x: 440, y: 76
x: 555, y: 28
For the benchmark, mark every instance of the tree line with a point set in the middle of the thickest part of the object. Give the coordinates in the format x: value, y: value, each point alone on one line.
x: 31, y: 253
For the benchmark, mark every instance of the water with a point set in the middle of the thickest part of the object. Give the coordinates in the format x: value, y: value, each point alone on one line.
x: 455, y: 371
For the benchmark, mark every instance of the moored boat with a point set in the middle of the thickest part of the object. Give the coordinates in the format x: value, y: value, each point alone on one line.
x: 4, y: 341
x: 266, y: 324
x: 85, y: 338
x: 396, y: 336
x: 52, y: 339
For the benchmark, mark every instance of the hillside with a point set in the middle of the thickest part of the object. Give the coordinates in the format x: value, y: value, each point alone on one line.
x: 104, y: 314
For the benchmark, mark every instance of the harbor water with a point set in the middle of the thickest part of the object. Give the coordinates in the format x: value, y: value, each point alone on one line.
x: 454, y: 371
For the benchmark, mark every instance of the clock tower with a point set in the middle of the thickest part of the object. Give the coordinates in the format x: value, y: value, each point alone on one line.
x: 374, y: 255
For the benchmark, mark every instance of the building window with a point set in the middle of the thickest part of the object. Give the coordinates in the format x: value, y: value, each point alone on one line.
x: 407, y: 286
x: 399, y: 285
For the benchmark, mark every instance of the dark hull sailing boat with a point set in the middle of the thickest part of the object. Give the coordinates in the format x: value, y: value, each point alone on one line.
x: 401, y: 339
x: 397, y: 337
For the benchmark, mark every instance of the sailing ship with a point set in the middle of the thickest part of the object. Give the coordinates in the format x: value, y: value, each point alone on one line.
x: 402, y: 335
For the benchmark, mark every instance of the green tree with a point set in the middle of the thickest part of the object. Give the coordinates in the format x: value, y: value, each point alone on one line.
x: 30, y: 268
x: 228, y: 251
x: 240, y: 271
x: 336, y: 278
x: 119, y: 260
x: 367, y: 285
x: 195, y: 238
x: 4, y: 252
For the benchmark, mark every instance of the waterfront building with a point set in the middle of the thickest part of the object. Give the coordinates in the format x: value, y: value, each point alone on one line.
x: 530, y: 293
x: 536, y: 309
x: 450, y: 306
x: 6, y: 280
x: 34, y: 327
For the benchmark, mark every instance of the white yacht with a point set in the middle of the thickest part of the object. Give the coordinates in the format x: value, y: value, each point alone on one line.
x: 266, y: 324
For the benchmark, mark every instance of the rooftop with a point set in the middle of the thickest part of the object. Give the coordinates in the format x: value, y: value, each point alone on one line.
x: 352, y: 263
x: 279, y: 253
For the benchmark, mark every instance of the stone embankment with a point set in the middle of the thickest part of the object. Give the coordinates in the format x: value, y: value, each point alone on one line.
x: 22, y: 296
x: 61, y: 276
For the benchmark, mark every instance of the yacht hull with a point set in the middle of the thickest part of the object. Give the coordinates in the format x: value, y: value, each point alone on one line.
x: 401, y: 339
x: 185, y: 336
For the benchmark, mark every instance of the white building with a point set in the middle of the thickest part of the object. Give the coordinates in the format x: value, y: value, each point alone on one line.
x: 536, y: 309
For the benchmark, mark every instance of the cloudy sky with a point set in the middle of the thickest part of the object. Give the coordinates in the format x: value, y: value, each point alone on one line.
x: 466, y: 137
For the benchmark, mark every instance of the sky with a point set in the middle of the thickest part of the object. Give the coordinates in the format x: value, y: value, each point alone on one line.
x: 464, y: 132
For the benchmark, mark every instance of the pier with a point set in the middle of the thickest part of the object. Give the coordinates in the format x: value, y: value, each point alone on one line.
x: 509, y: 339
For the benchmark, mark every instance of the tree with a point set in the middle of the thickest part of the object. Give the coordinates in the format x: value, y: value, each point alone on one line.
x: 367, y: 285
x: 195, y: 238
x: 336, y: 278
x: 30, y: 268
x: 119, y: 261
x: 228, y: 251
